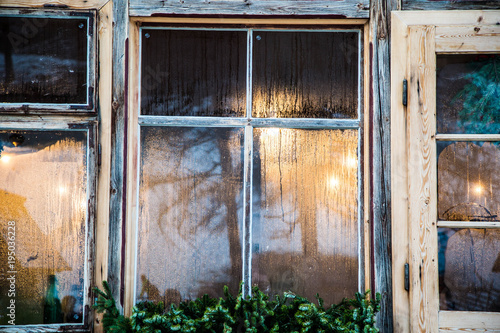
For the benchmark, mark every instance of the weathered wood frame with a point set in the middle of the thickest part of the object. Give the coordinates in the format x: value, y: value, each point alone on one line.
x: 100, y: 121
x: 58, y: 108
x: 89, y: 126
x: 416, y: 38
x: 135, y: 120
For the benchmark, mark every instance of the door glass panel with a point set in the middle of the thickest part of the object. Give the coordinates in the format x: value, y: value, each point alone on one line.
x: 305, y: 74
x: 43, y: 214
x: 190, y: 214
x: 468, y: 94
x: 468, y: 181
x: 193, y: 73
x: 469, y: 269
x: 43, y: 60
x: 305, y: 212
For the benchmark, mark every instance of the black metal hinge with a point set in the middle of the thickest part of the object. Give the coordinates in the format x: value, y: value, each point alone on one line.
x: 407, y: 277
x: 405, y: 92
x: 99, y: 155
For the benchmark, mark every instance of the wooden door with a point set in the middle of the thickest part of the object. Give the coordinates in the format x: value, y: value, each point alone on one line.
x: 445, y: 170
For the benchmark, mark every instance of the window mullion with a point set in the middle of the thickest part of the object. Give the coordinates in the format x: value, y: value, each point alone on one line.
x: 247, y: 178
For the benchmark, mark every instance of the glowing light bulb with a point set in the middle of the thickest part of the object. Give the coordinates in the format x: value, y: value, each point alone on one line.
x: 62, y: 189
x: 478, y: 189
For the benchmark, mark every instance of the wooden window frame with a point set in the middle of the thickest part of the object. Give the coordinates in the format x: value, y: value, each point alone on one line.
x: 134, y: 122
x: 417, y: 36
x: 99, y: 121
x: 59, y: 108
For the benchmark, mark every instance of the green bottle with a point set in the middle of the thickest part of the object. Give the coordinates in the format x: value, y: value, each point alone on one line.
x: 52, y: 313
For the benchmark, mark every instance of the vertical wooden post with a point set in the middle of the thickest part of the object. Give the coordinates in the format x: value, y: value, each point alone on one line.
x: 118, y: 152
x: 380, y: 156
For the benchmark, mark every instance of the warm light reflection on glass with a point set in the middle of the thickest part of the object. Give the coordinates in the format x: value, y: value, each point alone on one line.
x: 62, y: 189
x: 333, y: 182
x: 352, y: 162
x: 478, y: 189
x: 5, y: 159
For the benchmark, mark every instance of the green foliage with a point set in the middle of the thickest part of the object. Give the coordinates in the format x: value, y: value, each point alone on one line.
x: 253, y: 314
x: 481, y: 96
x: 112, y: 320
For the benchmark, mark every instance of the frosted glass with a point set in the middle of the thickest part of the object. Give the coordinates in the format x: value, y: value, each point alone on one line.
x: 305, y: 74
x: 193, y: 73
x: 469, y: 274
x: 305, y: 206
x: 190, y: 212
x: 43, y: 60
x: 43, y: 190
x: 468, y: 181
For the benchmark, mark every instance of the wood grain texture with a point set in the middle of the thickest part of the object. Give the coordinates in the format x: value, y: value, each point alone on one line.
x: 459, y: 321
x: 424, y: 302
x: 449, y: 4
x: 341, y: 8
x: 132, y: 169
x: 105, y: 33
x: 472, y: 38
x: 118, y: 134
x: 380, y: 158
x: 67, y: 4
x: 399, y: 174
x: 441, y: 18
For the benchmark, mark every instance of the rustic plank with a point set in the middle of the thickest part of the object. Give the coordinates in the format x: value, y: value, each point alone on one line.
x: 453, y: 321
x: 472, y: 38
x: 67, y: 4
x: 340, y: 8
x: 380, y: 174
x: 118, y: 155
x: 333, y: 23
x: 449, y: 4
x: 424, y: 301
x: 364, y: 161
x: 399, y: 174
x: 105, y: 33
x: 440, y: 18
x: 132, y: 169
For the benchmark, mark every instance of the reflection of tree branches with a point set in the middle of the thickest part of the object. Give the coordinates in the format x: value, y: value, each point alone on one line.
x: 481, y: 96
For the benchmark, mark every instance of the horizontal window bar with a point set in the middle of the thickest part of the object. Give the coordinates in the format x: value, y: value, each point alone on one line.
x: 274, y: 122
x: 468, y: 224
x: 468, y: 137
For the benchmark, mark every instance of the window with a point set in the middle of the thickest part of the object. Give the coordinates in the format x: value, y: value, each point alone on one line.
x: 446, y: 225
x: 47, y: 168
x: 247, y: 154
x: 47, y: 62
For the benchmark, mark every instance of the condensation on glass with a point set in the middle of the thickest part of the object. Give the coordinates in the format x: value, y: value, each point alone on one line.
x: 193, y: 73
x: 43, y: 60
x: 305, y: 204
x: 468, y: 94
x: 468, y: 181
x: 43, y: 215
x: 305, y: 74
x: 469, y: 269
x: 190, y: 212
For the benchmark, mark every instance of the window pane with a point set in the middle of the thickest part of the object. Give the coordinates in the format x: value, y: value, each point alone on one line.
x: 43, y: 194
x: 305, y: 74
x: 190, y: 216
x: 43, y: 60
x: 468, y: 181
x: 193, y: 73
x: 469, y: 269
x: 305, y: 204
x: 468, y: 94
